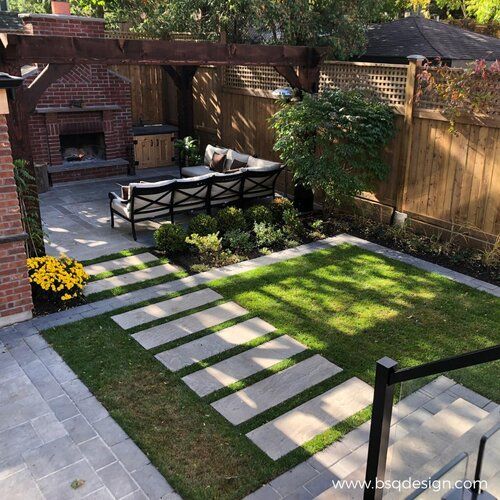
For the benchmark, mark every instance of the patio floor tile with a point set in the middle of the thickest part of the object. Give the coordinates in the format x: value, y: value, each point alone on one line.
x: 121, y: 263
x: 296, y: 427
x: 273, y: 390
x: 166, y: 308
x: 130, y: 278
x: 242, y: 365
x: 210, y: 345
x: 187, y: 325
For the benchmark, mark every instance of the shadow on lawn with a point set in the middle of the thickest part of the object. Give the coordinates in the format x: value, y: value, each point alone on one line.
x: 354, y: 308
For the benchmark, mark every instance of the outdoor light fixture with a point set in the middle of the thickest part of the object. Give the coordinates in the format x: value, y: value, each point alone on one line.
x: 284, y: 93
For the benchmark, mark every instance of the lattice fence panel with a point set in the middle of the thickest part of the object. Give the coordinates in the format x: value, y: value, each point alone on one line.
x: 253, y: 78
x: 387, y: 81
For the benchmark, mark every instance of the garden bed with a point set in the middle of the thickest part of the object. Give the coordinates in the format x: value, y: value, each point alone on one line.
x: 234, y: 235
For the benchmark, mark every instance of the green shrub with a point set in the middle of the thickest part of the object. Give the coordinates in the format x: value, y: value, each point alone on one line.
x: 278, y: 206
x: 170, y: 238
x: 208, y: 247
x: 203, y: 225
x: 257, y: 215
x: 239, y: 242
x: 267, y: 235
x: 334, y: 141
x: 231, y: 219
x: 292, y: 224
x: 317, y: 230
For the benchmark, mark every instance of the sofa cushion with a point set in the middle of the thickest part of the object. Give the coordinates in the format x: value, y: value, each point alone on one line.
x: 188, y: 197
x: 195, y: 171
x: 259, y: 163
x: 144, y: 184
x: 268, y: 168
x: 217, y: 163
x: 233, y: 156
x: 209, y: 153
x: 150, y: 205
x: 120, y: 207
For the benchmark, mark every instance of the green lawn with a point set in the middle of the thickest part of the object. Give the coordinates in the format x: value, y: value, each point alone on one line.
x: 351, y: 306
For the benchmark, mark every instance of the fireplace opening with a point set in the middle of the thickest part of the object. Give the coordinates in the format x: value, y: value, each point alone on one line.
x: 83, y: 147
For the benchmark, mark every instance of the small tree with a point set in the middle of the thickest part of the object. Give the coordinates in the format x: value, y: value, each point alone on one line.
x: 333, y: 141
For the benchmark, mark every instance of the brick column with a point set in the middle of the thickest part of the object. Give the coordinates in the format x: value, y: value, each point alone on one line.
x: 15, y: 290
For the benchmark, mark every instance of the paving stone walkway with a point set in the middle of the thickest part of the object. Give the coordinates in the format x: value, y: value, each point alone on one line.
x: 187, y: 325
x: 283, y: 434
x: 130, y: 278
x: 243, y: 365
x: 120, y: 263
x: 210, y: 345
x: 442, y: 412
x: 53, y: 432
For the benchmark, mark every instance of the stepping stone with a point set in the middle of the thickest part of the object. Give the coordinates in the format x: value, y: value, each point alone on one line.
x: 242, y: 365
x: 187, y: 325
x: 296, y: 427
x: 210, y: 345
x: 130, y: 278
x: 249, y: 402
x: 121, y: 263
x: 166, y: 308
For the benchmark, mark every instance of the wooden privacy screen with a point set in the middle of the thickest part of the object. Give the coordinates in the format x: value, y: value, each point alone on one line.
x: 452, y: 180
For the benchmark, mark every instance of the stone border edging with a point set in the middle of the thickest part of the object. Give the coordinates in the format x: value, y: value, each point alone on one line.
x: 158, y: 291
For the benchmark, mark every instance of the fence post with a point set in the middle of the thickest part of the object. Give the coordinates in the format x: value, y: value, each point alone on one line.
x: 380, y: 428
x: 414, y: 62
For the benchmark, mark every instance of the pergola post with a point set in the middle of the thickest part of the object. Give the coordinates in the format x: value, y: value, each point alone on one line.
x: 182, y: 77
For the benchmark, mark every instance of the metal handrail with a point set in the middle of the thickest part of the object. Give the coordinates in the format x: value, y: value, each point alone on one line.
x: 480, y: 455
x: 386, y: 377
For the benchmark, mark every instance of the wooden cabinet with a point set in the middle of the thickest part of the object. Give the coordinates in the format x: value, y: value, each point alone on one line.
x: 156, y: 150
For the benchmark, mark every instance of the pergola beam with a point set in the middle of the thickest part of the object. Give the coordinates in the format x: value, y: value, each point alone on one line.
x: 29, y: 49
x: 50, y: 74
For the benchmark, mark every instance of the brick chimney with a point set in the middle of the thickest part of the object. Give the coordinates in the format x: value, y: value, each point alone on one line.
x: 60, y: 7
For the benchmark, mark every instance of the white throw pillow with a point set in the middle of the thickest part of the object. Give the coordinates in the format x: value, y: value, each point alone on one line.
x: 232, y: 155
x: 209, y: 153
x: 260, y: 163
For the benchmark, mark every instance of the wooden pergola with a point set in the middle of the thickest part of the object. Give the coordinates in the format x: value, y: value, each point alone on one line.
x: 180, y: 59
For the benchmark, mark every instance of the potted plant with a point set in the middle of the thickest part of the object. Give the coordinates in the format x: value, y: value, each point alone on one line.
x: 188, y: 151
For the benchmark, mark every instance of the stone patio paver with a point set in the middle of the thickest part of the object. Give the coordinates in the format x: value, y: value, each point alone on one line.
x: 187, y: 325
x: 294, y: 428
x: 47, y: 442
x: 242, y: 365
x: 273, y: 390
x: 348, y: 455
x: 131, y: 278
x: 166, y: 308
x: 120, y: 263
x: 215, y: 343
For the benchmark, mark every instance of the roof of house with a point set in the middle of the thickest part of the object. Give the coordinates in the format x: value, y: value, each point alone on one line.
x: 10, y: 21
x: 418, y: 35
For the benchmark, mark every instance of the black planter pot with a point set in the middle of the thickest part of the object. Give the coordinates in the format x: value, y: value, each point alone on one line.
x: 303, y: 198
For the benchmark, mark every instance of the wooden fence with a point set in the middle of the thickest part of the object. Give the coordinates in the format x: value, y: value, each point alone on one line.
x: 442, y: 180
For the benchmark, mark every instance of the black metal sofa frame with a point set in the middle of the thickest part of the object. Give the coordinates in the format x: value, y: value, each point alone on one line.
x: 183, y: 195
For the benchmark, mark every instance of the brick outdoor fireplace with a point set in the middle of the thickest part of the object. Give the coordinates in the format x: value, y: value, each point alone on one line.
x: 82, y: 124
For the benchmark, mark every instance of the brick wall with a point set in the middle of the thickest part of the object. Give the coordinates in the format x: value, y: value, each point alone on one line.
x: 15, y: 290
x: 94, y: 85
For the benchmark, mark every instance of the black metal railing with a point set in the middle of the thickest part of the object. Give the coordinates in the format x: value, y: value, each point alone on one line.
x: 386, y: 377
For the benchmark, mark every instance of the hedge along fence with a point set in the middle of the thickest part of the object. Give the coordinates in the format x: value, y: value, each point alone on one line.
x: 443, y: 181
